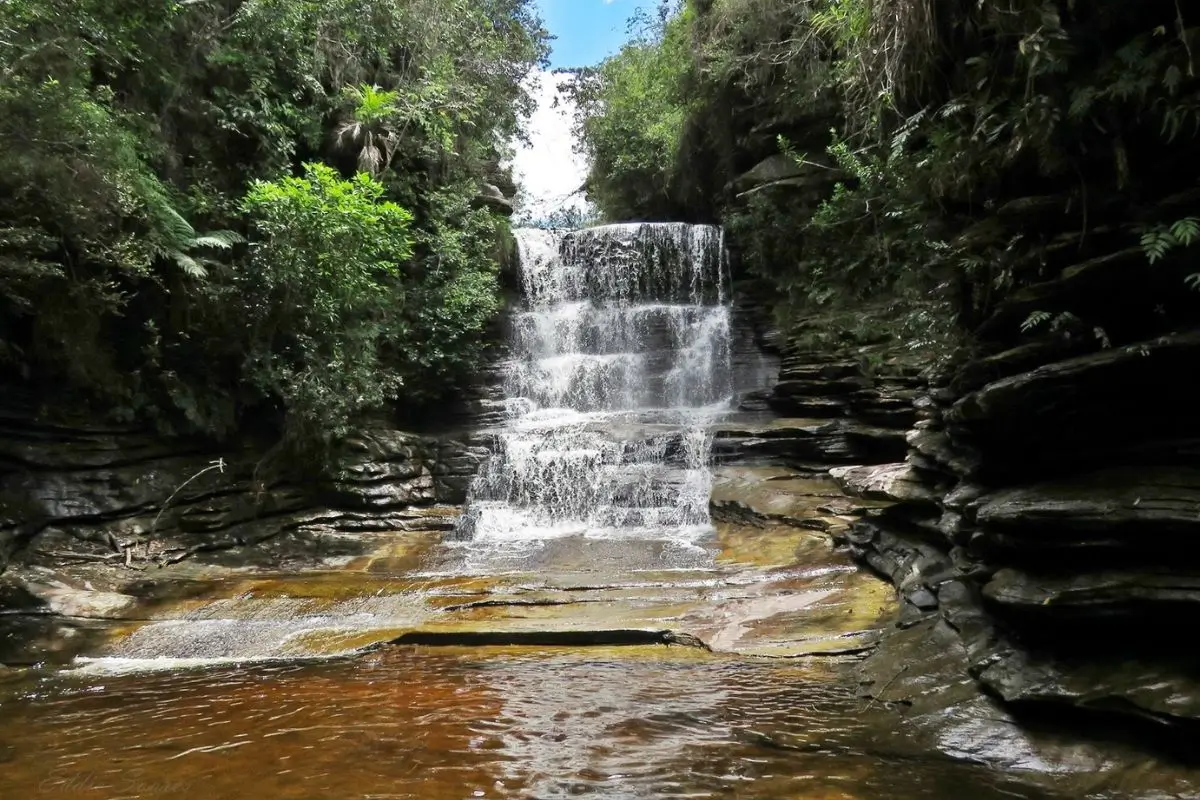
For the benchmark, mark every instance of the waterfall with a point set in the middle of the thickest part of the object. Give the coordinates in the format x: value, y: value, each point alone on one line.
x: 620, y: 361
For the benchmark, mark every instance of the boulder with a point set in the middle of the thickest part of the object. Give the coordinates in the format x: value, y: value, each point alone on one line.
x: 492, y: 198
x: 773, y: 168
x: 900, y: 483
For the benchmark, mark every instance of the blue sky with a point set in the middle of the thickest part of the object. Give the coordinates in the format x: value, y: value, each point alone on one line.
x: 587, y: 30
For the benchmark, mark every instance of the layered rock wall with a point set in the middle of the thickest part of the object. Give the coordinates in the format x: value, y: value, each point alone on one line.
x: 79, y: 492
x: 818, y: 408
x: 1051, y: 515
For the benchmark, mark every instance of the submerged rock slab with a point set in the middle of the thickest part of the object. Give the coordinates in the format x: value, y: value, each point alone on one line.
x: 589, y: 638
x: 776, y: 588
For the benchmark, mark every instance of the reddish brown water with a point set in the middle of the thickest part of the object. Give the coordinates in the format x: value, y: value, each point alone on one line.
x: 429, y: 724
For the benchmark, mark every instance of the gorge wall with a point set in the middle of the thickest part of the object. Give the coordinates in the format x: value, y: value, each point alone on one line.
x: 1038, y: 516
x: 89, y: 512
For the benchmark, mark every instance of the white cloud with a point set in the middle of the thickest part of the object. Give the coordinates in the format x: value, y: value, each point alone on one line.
x: 548, y: 169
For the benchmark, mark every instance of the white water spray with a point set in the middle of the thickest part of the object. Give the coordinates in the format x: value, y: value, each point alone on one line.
x: 620, y: 362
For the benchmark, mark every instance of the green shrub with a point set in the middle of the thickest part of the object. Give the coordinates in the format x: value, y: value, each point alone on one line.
x: 325, y: 265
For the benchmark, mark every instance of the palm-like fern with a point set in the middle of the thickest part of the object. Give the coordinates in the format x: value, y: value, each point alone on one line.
x: 368, y: 129
x: 174, y: 239
x: 196, y: 266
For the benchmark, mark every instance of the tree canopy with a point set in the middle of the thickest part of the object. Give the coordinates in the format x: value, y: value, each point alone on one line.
x: 217, y: 208
x: 858, y: 150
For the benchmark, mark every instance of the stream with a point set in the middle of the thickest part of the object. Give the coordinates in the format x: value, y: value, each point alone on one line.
x: 592, y: 519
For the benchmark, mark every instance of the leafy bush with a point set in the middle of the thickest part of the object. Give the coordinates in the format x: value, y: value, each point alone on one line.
x: 323, y: 272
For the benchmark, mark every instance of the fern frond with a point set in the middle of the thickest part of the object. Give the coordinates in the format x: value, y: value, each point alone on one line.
x: 1186, y: 230
x: 1156, y: 244
x: 189, y: 266
x: 1034, y: 320
x: 171, y: 228
x: 1172, y: 79
x: 221, y: 240
x: 1081, y: 103
x: 952, y: 108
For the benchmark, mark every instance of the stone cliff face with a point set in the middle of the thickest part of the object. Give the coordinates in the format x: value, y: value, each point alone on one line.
x: 1052, y: 515
x: 812, y: 408
x: 112, y: 494
x: 1044, y: 491
x: 1039, y: 523
x: 89, y: 512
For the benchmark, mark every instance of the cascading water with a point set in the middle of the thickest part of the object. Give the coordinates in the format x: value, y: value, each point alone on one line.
x: 620, y: 362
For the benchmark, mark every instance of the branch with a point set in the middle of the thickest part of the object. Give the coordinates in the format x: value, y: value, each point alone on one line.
x: 218, y: 464
x: 1183, y: 38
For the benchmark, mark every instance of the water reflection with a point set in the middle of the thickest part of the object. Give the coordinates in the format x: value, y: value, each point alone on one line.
x: 430, y: 724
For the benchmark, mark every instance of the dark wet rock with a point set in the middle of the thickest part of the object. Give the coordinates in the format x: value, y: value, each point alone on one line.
x: 1006, y: 619
x: 1118, y: 405
x: 1105, y: 510
x: 917, y: 569
x: 1166, y: 692
x: 923, y: 599
x: 1096, y: 276
x: 962, y: 495
x: 934, y: 448
x: 918, y: 694
x: 805, y: 442
x: 795, y: 386
x: 1022, y: 358
x: 123, y: 498
x: 812, y: 384
x: 566, y: 638
x: 900, y: 483
x: 1065, y: 600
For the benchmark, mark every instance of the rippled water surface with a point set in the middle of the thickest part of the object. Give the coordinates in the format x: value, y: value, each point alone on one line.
x: 430, y: 723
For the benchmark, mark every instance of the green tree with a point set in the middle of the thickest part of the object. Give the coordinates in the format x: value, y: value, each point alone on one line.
x: 631, y: 116
x: 325, y: 263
